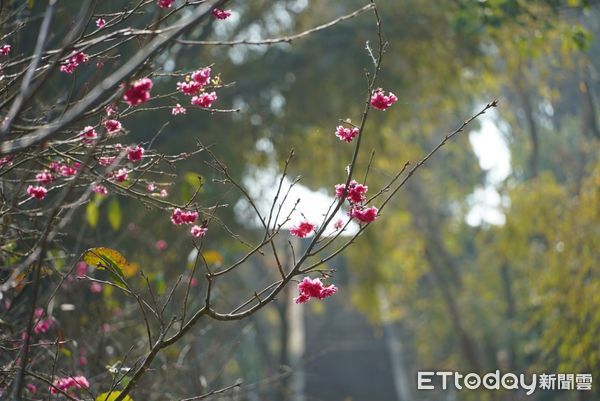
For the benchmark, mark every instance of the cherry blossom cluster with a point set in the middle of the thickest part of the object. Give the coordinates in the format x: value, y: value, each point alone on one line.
x: 73, y: 62
x: 221, y: 14
x: 5, y: 49
x: 179, y: 217
x: 355, y: 195
x: 194, y: 85
x: 381, y: 101
x: 346, y: 134
x: 138, y: 92
x: 313, y: 288
x: 68, y: 384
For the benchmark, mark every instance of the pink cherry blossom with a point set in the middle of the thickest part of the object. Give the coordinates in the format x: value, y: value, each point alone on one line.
x: 112, y: 126
x: 355, y: 194
x: 178, y: 109
x: 110, y: 110
x: 189, y: 88
x: 221, y: 14
x: 95, y: 288
x: 81, y: 269
x: 138, y: 92
x: 364, y: 215
x: 54, y: 166
x: 202, y: 76
x: 106, y: 160
x: 88, y: 134
x: 5, y: 49
x: 100, y: 189
x: 100, y: 23
x: 31, y: 388
x: 69, y: 171
x: 135, y: 153
x: 37, y: 192
x: 346, y: 134
x: 42, y: 325
x: 73, y: 62
x: 163, y: 193
x: 161, y: 245
x: 44, y: 177
x: 121, y: 175
x: 66, y: 384
x: 380, y: 101
x: 165, y: 3
x: 151, y: 187
x: 338, y: 224
x: 183, y: 217
x: 204, y: 99
x: 302, y: 229
x: 309, y: 288
x: 198, y: 231
x: 6, y: 161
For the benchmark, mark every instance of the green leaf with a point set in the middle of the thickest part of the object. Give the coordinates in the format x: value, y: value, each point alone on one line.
x: 114, y: 214
x: 92, y: 214
x: 111, y: 396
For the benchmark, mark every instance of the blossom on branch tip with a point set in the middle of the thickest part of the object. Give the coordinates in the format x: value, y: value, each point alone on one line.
x: 313, y: 288
x: 121, y: 175
x: 37, y: 192
x: 135, y: 153
x: 364, y: 215
x: 5, y: 49
x: 178, y: 109
x: 302, y: 229
x: 100, y: 23
x: 221, y: 14
x: 204, y: 100
x: 346, y: 134
x: 380, y: 101
x: 69, y: 171
x: 138, y: 92
x: 198, y: 231
x: 88, y: 134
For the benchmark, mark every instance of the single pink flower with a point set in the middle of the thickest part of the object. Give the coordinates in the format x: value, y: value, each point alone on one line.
x: 37, y: 192
x: 163, y: 193
x: 88, y: 134
x: 202, y: 76
x: 112, y: 126
x: 54, y: 167
x: 6, y: 161
x: 135, y: 153
x: 161, y: 245
x: 100, y: 189
x: 43, y: 325
x: 302, y: 229
x: 81, y: 269
x: 178, y: 109
x: 221, y: 14
x: 121, y: 175
x: 5, y: 49
x: 95, y: 288
x: 204, y: 99
x: 165, y: 3
x: 380, y: 101
x: 346, y: 134
x: 150, y: 187
x: 189, y: 88
x: 100, y: 23
x: 339, y: 224
x: 198, y: 231
x: 44, y: 177
x: 69, y: 171
x: 110, y: 110
x: 138, y: 92
x: 31, y: 388
x: 364, y: 215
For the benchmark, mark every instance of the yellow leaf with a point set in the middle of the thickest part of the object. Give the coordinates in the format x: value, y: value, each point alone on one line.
x: 111, y: 396
x: 131, y: 269
x: 95, y: 257
x: 213, y: 257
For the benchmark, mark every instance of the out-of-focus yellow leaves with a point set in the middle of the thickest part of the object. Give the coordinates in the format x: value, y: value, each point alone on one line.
x: 114, y: 214
x: 213, y: 257
x: 111, y: 396
x: 92, y: 214
x: 131, y: 269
